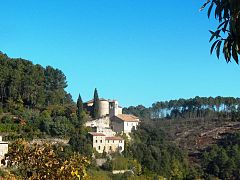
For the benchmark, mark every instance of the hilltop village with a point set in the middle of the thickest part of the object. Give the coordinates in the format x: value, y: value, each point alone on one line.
x: 110, y: 126
x: 46, y: 135
x: 107, y: 129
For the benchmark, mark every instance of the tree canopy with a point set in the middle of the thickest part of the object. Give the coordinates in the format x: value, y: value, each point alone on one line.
x: 227, y: 34
x: 222, y: 159
x: 24, y: 84
x: 150, y: 148
x: 33, y: 101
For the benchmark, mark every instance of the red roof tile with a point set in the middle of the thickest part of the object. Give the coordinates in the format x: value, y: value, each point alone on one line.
x: 114, y: 138
x: 96, y: 134
x: 100, y: 99
x: 128, y: 117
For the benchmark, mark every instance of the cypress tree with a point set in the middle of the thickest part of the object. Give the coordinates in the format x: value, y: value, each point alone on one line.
x: 95, y: 104
x: 79, y: 107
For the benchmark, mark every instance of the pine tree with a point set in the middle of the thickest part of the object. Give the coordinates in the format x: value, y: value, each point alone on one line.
x: 95, y: 104
x: 79, y: 108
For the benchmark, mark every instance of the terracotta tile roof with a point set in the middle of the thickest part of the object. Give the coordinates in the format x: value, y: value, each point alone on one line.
x: 100, y: 99
x: 114, y: 138
x: 96, y: 134
x: 128, y: 117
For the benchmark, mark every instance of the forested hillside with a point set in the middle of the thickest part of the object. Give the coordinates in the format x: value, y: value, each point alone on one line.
x: 24, y: 84
x: 33, y: 101
x: 177, y: 139
x: 205, y: 128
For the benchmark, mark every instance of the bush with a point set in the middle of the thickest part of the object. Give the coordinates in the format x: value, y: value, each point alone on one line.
x: 7, y: 119
x: 120, y: 163
x: 99, y: 175
x: 107, y: 166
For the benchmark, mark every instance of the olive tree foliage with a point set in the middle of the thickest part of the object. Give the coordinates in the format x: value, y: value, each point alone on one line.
x: 41, y: 161
x: 227, y: 35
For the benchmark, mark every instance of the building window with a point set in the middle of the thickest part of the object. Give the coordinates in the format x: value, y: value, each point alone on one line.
x: 120, y: 141
x: 108, y: 141
x: 99, y: 147
x: 100, y: 141
x: 96, y: 141
x: 113, y: 141
x: 110, y: 147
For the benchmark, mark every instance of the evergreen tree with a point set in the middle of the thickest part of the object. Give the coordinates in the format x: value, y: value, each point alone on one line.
x: 79, y: 107
x: 80, y: 112
x: 95, y: 104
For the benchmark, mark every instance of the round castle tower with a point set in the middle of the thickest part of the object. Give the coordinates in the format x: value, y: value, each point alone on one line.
x: 103, y: 108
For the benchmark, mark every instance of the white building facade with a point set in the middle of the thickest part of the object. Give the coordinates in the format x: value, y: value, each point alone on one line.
x: 124, y: 123
x: 3, y: 148
x: 111, y: 144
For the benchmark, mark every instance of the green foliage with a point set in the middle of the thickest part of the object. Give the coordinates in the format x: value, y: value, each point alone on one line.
x: 120, y: 163
x: 156, y: 155
x: 23, y: 84
x: 79, y: 107
x: 81, y: 142
x: 227, y: 33
x: 198, y: 107
x: 2, y: 173
x: 108, y: 166
x: 139, y: 111
x: 99, y: 175
x: 96, y: 103
x: 126, y: 175
x: 54, y: 121
x: 61, y: 126
x: 81, y: 114
x: 42, y: 162
x: 7, y: 119
x: 222, y: 160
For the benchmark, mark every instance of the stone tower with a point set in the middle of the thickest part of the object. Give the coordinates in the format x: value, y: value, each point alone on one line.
x: 113, y: 108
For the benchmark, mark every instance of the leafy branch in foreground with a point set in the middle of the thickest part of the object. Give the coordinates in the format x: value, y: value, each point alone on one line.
x: 227, y: 34
x: 35, y: 161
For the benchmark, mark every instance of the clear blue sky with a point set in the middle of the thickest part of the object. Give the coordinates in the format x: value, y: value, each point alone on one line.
x: 136, y: 51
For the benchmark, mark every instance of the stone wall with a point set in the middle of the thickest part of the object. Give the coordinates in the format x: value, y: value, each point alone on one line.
x: 101, y: 122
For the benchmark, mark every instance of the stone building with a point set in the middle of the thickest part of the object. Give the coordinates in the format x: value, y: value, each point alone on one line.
x: 110, y: 122
x: 106, y: 107
x: 124, y: 123
x: 102, y: 143
x: 101, y: 122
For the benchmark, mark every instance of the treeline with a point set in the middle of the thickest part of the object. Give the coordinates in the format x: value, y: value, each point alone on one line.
x: 198, y: 107
x: 24, y: 84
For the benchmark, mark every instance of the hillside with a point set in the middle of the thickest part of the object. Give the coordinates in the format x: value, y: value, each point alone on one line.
x: 179, y: 139
x: 33, y: 101
x: 24, y: 84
